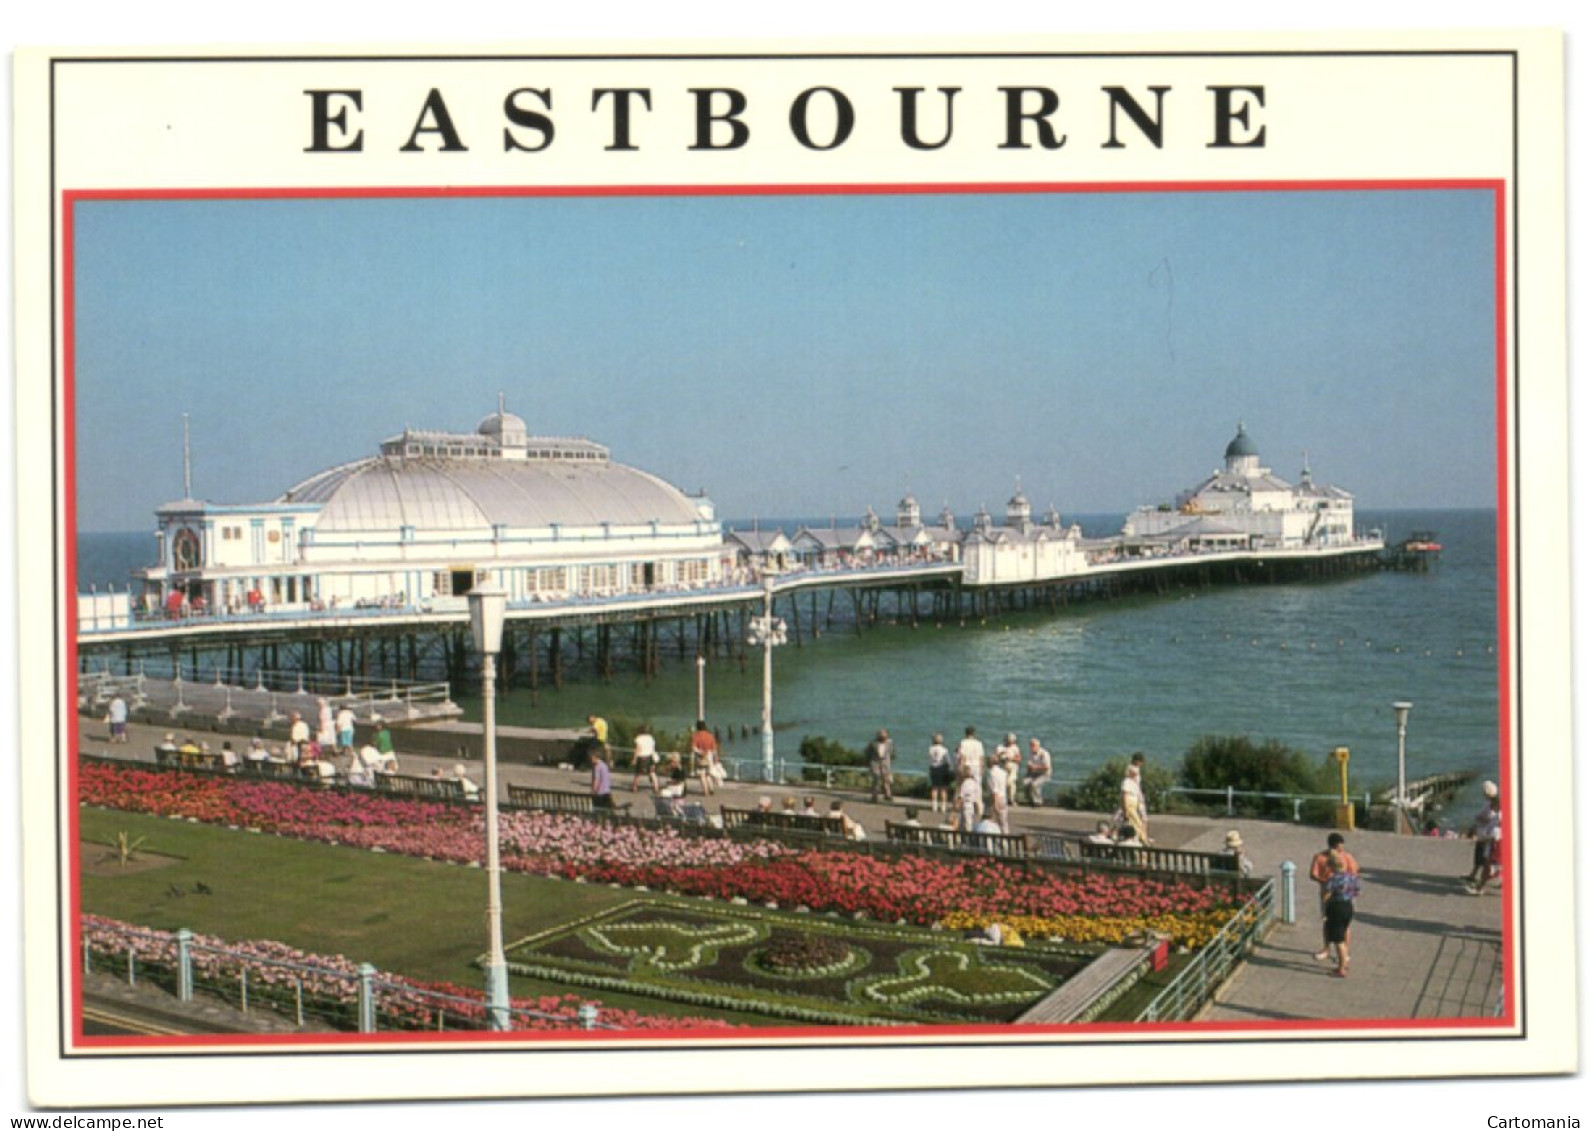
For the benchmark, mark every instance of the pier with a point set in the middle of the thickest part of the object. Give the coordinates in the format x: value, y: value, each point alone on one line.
x: 545, y: 640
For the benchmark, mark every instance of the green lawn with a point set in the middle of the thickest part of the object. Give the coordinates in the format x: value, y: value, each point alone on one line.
x: 406, y: 916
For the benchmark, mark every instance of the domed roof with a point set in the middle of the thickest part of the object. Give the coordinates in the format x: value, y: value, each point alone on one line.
x: 382, y: 494
x: 496, y: 422
x: 1241, y: 445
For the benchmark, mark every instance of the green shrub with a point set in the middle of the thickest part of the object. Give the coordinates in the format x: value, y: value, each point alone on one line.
x: 1236, y: 761
x: 819, y: 751
x: 1219, y: 761
x: 1100, y: 792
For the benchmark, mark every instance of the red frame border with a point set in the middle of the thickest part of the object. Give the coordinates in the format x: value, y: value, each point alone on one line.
x: 474, y: 1042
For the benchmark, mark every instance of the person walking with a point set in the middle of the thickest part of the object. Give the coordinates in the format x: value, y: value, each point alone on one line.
x: 704, y: 756
x: 1487, y: 832
x: 1339, y: 892
x: 1133, y: 809
x: 880, y: 753
x: 941, y: 776
x: 1008, y: 756
x: 116, y: 716
x: 1039, y: 767
x: 1321, y: 869
x: 645, y: 759
x: 969, y: 756
x: 999, y: 806
x: 601, y: 779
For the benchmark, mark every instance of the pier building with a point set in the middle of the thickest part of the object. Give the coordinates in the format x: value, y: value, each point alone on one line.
x: 1243, y: 505
x: 432, y: 515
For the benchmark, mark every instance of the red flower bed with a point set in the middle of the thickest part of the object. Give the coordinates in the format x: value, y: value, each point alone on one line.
x: 921, y: 890
x: 918, y: 889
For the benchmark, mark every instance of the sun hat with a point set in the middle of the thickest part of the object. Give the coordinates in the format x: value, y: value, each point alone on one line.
x: 1489, y: 789
x: 1234, y: 839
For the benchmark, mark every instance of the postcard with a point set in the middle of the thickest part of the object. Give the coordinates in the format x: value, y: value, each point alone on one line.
x: 886, y: 564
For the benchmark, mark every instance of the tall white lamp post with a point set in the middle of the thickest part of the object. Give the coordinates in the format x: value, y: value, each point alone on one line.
x: 701, y: 686
x: 767, y: 631
x: 1400, y: 711
x: 487, y: 606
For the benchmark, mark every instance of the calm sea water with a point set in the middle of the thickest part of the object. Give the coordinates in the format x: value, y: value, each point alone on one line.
x: 1313, y: 665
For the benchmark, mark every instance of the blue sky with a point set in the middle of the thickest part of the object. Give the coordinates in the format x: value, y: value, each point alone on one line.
x: 799, y: 355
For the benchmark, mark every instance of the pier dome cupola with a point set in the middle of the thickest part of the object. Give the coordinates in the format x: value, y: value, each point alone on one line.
x: 908, y: 513
x: 1019, y: 512
x: 1242, y: 454
x: 506, y: 430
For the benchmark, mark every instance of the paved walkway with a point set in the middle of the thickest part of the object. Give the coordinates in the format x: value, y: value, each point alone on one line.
x: 1422, y: 947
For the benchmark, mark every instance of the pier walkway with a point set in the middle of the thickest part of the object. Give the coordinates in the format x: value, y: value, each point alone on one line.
x: 1422, y: 948
x: 107, y: 619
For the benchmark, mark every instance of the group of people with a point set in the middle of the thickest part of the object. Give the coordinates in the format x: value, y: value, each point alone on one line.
x: 667, y: 774
x: 976, y: 787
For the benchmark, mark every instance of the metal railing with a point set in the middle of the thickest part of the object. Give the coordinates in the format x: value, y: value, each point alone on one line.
x: 1230, y: 797
x: 1197, y: 982
x: 263, y: 695
x: 297, y: 992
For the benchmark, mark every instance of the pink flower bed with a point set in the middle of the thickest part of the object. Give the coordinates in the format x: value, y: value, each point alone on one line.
x: 334, y: 980
x: 918, y: 889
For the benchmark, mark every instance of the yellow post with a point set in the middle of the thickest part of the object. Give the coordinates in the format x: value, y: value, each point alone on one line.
x: 1344, y: 806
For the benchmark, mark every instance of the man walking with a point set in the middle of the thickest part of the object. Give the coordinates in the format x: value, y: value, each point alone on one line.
x: 880, y: 752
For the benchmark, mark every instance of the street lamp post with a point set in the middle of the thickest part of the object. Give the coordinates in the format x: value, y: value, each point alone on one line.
x: 701, y: 686
x: 487, y: 606
x: 769, y: 632
x: 1400, y: 711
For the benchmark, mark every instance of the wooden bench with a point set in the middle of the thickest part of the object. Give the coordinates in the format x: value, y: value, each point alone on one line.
x: 270, y: 768
x: 177, y: 759
x: 1003, y: 846
x: 779, y: 824
x: 433, y: 789
x: 1072, y: 1000
x: 558, y: 801
x: 1177, y: 861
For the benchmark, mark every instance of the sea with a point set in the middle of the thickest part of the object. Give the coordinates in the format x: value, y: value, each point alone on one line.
x: 1315, y: 665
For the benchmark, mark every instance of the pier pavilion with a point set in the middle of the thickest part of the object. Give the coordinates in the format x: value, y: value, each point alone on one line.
x: 1243, y: 505
x: 431, y: 516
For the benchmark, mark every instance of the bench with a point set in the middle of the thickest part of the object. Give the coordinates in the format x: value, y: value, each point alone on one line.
x: 1152, y: 859
x: 558, y: 801
x: 270, y: 768
x: 173, y: 758
x: 778, y: 824
x: 678, y: 811
x: 433, y: 789
x: 1004, y: 846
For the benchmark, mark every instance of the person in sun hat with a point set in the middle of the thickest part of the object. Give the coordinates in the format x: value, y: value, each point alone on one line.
x: 1234, y: 848
x: 1487, y: 832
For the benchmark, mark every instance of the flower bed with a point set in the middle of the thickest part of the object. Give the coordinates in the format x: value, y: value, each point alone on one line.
x: 276, y: 974
x: 796, y: 967
x: 1094, y: 908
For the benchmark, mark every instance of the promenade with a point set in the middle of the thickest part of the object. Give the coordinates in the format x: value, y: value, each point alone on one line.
x: 1422, y: 947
